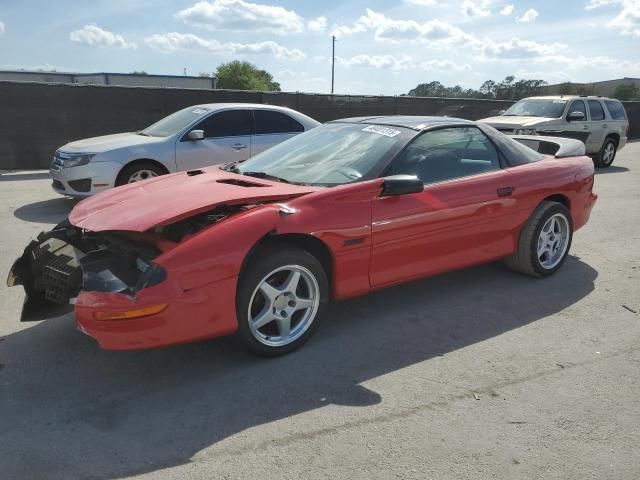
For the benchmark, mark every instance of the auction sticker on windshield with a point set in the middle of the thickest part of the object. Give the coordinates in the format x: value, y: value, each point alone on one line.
x: 387, y: 132
x: 200, y: 111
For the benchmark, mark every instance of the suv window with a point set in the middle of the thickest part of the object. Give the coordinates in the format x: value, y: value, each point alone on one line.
x: 275, y: 122
x: 596, y: 110
x: 229, y: 123
x: 577, y: 106
x: 616, y: 110
x: 447, y: 153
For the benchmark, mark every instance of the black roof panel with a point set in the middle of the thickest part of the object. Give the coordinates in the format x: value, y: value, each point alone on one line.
x: 408, y: 121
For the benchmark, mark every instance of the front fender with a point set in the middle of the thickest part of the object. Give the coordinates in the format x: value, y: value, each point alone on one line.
x: 219, y: 252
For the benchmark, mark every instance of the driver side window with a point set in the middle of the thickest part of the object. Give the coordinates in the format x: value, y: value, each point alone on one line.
x: 228, y: 123
x: 577, y: 106
x: 447, y: 154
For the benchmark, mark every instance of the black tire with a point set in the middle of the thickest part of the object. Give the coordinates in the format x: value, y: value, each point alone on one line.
x: 602, y: 159
x: 525, y: 260
x: 129, y: 170
x: 261, y: 263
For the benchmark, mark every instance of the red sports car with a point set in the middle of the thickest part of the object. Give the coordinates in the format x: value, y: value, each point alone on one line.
x: 260, y: 247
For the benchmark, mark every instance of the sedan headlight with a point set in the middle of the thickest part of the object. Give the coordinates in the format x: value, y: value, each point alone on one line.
x: 525, y: 131
x: 78, y: 160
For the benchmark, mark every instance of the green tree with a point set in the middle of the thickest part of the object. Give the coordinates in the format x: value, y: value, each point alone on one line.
x: 586, y: 89
x: 627, y: 92
x: 508, y: 89
x: 567, y: 88
x: 139, y: 72
x: 245, y: 76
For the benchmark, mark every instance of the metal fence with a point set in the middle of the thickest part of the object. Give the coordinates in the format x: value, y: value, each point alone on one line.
x: 38, y: 118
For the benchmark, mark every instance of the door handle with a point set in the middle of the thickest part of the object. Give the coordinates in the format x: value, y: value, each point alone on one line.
x: 604, y: 125
x: 238, y: 146
x: 586, y: 127
x: 505, y: 191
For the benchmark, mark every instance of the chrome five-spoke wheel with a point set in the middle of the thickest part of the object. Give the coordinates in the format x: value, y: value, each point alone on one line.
x: 281, y: 295
x: 544, y: 241
x: 283, y: 305
x: 553, y: 241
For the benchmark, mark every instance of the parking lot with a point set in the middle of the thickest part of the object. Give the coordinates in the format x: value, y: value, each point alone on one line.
x: 481, y: 373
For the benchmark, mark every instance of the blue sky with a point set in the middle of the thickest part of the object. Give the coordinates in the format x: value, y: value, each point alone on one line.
x: 383, y: 47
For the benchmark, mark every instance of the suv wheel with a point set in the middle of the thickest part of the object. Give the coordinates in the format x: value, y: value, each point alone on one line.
x: 607, y: 154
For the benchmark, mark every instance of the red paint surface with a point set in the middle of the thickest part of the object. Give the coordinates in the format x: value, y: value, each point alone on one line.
x: 373, y: 241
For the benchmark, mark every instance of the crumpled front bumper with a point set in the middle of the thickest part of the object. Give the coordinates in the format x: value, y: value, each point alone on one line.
x: 49, y: 272
x: 60, y: 275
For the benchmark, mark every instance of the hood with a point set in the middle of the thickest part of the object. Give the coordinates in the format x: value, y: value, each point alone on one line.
x: 109, y: 142
x: 164, y: 200
x: 503, y: 121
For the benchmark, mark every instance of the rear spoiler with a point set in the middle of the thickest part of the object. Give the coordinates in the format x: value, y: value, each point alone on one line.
x: 557, y: 146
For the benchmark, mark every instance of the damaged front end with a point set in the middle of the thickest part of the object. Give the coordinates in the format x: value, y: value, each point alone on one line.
x: 54, y: 268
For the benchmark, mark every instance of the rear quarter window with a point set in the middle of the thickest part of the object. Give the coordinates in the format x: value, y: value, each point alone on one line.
x: 616, y: 110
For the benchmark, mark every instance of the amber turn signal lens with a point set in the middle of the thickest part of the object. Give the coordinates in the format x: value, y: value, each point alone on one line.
x: 126, y: 314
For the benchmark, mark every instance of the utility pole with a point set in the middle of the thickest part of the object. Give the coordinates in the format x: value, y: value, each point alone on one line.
x: 333, y: 60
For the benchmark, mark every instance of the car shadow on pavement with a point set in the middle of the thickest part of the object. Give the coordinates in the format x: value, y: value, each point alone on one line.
x: 47, y: 211
x: 611, y: 169
x: 70, y: 410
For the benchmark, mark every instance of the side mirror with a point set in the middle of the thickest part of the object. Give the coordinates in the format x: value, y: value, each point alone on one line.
x: 196, y: 135
x: 401, y: 185
x: 502, y: 112
x: 575, y: 116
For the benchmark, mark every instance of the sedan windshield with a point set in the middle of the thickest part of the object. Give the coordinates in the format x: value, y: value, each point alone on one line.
x: 175, y: 122
x: 332, y: 154
x: 547, y: 108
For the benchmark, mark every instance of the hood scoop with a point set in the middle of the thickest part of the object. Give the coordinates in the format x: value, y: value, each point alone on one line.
x: 241, y: 183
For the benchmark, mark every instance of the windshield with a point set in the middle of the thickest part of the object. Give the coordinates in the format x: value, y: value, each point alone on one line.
x: 332, y: 154
x: 547, y: 108
x: 175, y: 122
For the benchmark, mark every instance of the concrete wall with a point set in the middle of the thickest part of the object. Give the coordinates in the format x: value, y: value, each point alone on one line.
x: 36, y: 119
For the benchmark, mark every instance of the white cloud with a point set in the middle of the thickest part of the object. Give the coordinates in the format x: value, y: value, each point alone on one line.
x: 170, y: 42
x: 529, y: 16
x: 377, y: 61
x: 95, y: 36
x: 439, y: 34
x: 317, y: 25
x: 444, y: 66
x: 518, y: 49
x: 435, y: 32
x: 507, y: 10
x: 628, y: 20
x: 1, y: 28
x: 239, y: 15
x: 476, y: 8
x: 422, y: 3
x: 601, y: 3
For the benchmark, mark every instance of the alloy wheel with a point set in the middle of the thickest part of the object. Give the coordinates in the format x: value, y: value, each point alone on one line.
x: 140, y: 175
x: 283, y: 305
x: 553, y: 241
x: 608, y: 153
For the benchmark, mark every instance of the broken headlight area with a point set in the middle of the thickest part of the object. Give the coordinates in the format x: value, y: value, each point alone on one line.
x: 182, y: 229
x: 60, y: 263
